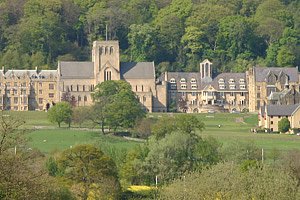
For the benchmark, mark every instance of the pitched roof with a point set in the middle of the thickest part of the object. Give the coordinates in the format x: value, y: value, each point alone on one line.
x: 226, y: 77
x: 281, y: 110
x: 188, y: 76
x: 137, y: 70
x: 76, y: 69
x: 262, y: 72
x: 20, y: 73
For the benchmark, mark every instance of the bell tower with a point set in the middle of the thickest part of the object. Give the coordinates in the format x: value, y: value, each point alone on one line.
x: 206, y: 70
x: 106, y: 58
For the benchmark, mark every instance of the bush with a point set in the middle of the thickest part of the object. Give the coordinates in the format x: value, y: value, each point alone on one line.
x: 284, y: 125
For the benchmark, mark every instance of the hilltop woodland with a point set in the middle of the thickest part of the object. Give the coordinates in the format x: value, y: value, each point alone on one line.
x: 175, y: 34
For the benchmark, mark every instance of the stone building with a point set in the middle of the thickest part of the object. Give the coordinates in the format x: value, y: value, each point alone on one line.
x: 190, y: 92
x: 264, y: 82
x: 200, y: 92
x: 270, y: 115
x: 27, y: 89
x: 80, y: 78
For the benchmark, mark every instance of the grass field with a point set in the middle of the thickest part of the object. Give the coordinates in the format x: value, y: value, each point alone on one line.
x: 58, y: 139
x: 234, y: 127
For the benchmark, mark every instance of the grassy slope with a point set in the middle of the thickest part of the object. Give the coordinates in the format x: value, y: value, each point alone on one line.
x: 233, y: 127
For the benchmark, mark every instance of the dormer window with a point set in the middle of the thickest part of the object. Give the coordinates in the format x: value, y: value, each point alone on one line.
x: 231, y: 81
x: 193, y: 80
x: 222, y: 87
x: 232, y: 87
x: 242, y: 87
x: 221, y: 81
x: 242, y: 81
x: 194, y: 87
x: 182, y: 80
x: 183, y: 87
x: 172, y: 80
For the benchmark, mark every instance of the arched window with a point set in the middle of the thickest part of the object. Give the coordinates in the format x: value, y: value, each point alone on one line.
x: 111, y: 50
x: 106, y: 50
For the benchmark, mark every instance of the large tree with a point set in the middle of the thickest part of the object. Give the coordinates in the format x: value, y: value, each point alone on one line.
x: 93, y: 174
x: 61, y: 112
x: 118, y: 104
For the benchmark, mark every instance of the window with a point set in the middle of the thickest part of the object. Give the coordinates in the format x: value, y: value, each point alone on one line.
x: 232, y: 87
x: 15, y: 84
x: 222, y: 87
x: 84, y: 98
x: 83, y: 88
x: 271, y: 116
x: 221, y: 81
x: 258, y: 95
x: 182, y: 80
x: 194, y: 86
x: 242, y: 81
x: 183, y: 94
x: 193, y: 93
x: 15, y: 91
x: 40, y: 91
x: 23, y: 84
x: 242, y: 87
x: 40, y: 84
x: 142, y: 88
x: 231, y: 81
x: 16, y: 108
x: 222, y: 94
x: 258, y: 88
x: 15, y: 100
x: 173, y: 86
x: 231, y: 94
x: 51, y: 86
x: 242, y: 94
x: 183, y: 87
x: 193, y: 80
x: 40, y: 100
x: 51, y: 95
x: 25, y: 100
x: 8, y: 84
x: 271, y: 122
x: 71, y: 88
x: 172, y: 80
x: 107, y: 75
x: 79, y: 98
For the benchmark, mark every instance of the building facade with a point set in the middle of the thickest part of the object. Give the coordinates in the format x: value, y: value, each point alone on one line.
x: 192, y: 92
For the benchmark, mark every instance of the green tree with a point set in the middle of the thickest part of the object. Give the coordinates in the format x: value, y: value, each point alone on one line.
x: 284, y: 125
x: 61, y: 112
x: 228, y: 181
x: 95, y: 173
x: 11, y: 133
x: 80, y: 115
x: 118, y: 104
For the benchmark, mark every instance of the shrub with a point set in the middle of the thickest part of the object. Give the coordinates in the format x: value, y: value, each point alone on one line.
x: 284, y: 125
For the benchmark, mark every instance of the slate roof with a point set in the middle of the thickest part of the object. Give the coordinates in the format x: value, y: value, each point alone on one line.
x: 278, y: 95
x: 76, y: 69
x: 188, y: 76
x: 137, y: 70
x: 226, y: 77
x: 281, y: 110
x: 19, y: 73
x: 48, y: 73
x: 262, y: 72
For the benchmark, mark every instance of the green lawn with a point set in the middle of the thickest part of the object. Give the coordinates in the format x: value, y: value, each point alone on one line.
x: 58, y: 139
x: 234, y: 127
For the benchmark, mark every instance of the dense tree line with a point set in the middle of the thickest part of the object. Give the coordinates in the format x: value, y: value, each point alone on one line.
x: 176, y: 34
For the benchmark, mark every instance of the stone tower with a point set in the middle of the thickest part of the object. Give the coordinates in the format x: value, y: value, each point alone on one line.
x: 106, y: 58
x: 206, y: 70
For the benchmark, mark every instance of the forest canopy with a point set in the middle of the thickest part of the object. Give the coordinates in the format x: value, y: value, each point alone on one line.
x: 175, y: 34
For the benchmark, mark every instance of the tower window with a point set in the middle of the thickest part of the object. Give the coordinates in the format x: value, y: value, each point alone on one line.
x: 111, y: 50
x: 107, y: 75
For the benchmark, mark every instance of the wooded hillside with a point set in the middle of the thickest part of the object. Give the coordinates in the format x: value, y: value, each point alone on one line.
x: 175, y: 34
